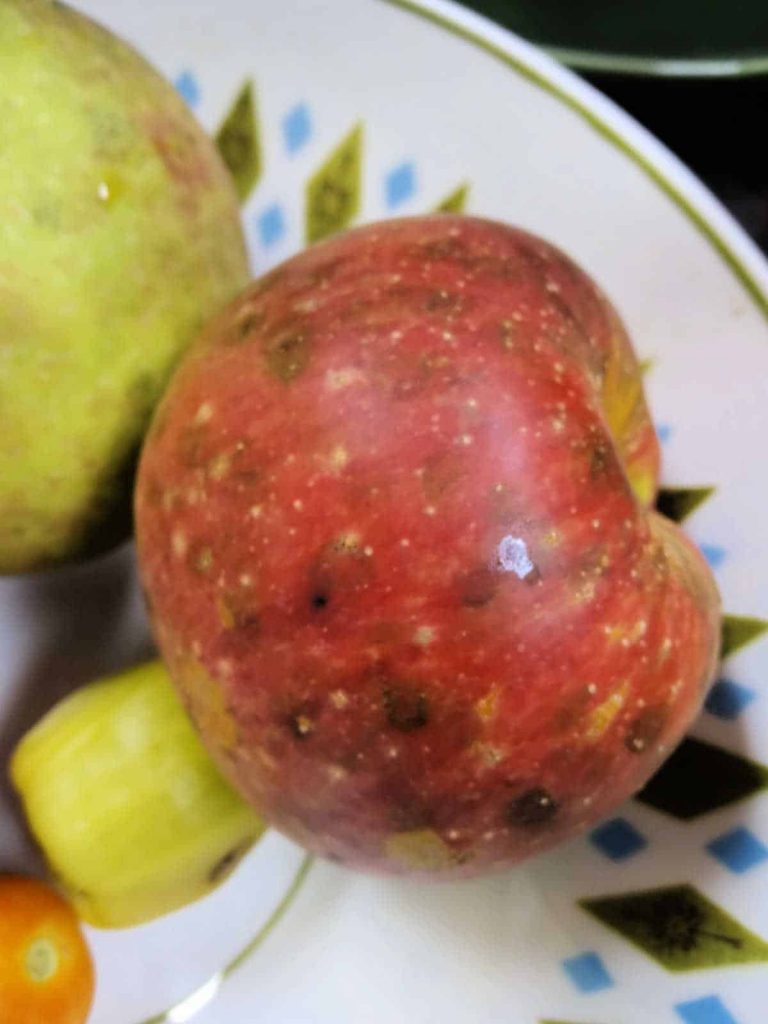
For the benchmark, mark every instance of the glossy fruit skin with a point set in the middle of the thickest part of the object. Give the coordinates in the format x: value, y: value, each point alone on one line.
x: 46, y: 971
x: 395, y: 510
x: 119, y: 236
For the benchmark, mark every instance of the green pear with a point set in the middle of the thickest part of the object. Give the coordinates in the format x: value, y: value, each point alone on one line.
x: 119, y: 236
x: 129, y: 809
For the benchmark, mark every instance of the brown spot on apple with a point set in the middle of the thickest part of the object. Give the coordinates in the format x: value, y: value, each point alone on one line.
x: 405, y: 709
x: 532, y: 808
x: 200, y: 558
x: 571, y: 711
x: 644, y: 730
x: 446, y: 248
x: 287, y: 354
x: 406, y: 808
x: 190, y: 446
x: 321, y: 275
x: 237, y: 610
x: 602, y: 459
x: 478, y: 587
x: 244, y: 472
x: 248, y: 323
x: 301, y: 725
x: 340, y: 567
x: 206, y: 703
x: 442, y: 301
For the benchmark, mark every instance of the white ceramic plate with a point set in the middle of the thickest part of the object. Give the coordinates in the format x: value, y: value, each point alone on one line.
x: 443, y: 100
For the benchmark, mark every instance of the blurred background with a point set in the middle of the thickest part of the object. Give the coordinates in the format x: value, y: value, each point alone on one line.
x: 694, y: 72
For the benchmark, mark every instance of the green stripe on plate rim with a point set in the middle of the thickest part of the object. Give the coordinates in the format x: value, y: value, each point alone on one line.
x: 612, y: 135
x: 194, y: 1002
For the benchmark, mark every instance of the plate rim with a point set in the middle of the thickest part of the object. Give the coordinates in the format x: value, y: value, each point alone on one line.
x: 737, y: 61
x: 653, y: 66
x: 704, y: 211
x: 198, y: 999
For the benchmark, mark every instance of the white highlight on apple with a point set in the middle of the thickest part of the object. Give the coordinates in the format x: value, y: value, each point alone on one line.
x: 513, y: 556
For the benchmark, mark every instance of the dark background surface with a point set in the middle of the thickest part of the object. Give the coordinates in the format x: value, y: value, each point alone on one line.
x: 698, y: 29
x: 718, y: 126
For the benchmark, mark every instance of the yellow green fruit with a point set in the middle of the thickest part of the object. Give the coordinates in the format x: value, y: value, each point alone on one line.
x: 119, y: 236
x: 132, y: 815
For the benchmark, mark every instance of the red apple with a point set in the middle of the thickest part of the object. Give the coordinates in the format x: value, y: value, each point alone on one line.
x: 394, y: 521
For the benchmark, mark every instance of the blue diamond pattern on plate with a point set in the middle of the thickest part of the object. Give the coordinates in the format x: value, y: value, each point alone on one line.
x: 714, y: 555
x: 188, y: 87
x: 400, y: 185
x: 271, y: 225
x: 709, y: 1010
x: 297, y: 128
x: 588, y: 972
x: 727, y: 700
x: 618, y: 839
x: 664, y: 432
x: 739, y: 850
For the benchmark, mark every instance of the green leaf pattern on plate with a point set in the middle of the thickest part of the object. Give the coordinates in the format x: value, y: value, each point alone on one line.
x: 739, y: 631
x: 333, y: 192
x: 678, y: 503
x: 699, y: 778
x: 238, y: 141
x: 679, y: 928
x: 456, y: 201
